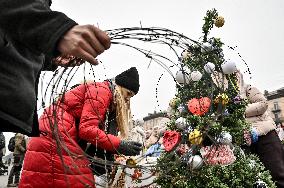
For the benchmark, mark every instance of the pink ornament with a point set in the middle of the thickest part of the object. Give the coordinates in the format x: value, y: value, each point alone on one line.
x: 217, y: 155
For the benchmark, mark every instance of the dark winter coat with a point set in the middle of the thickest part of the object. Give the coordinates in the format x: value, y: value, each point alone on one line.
x: 43, y: 166
x: 29, y: 31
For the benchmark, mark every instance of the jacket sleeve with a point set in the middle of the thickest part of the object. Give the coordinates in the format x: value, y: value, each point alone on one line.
x: 34, y: 24
x: 97, y: 101
x: 257, y: 102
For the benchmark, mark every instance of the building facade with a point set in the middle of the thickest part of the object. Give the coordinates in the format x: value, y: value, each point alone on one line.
x: 156, y: 119
x: 276, y: 104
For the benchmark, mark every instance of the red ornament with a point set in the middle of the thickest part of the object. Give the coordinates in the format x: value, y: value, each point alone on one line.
x: 171, y: 139
x: 199, y: 106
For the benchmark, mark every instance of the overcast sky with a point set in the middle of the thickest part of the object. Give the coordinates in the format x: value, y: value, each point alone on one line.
x: 254, y: 26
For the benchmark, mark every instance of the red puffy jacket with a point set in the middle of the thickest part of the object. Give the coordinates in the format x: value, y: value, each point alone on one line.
x: 43, y: 165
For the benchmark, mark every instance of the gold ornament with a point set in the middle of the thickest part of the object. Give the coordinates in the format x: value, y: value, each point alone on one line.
x: 195, y: 137
x: 219, y: 22
x: 173, y: 102
x: 222, y: 98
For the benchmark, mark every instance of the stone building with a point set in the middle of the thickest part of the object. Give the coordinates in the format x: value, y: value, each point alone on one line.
x: 156, y: 119
x: 276, y: 104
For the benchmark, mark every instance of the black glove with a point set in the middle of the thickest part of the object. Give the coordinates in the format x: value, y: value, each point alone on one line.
x: 129, y: 148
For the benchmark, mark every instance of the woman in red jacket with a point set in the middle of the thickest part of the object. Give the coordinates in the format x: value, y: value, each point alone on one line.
x: 55, y: 159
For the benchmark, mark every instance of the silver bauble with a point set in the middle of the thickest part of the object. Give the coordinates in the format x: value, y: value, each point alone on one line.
x: 225, y: 138
x: 209, y: 67
x: 195, y: 162
x: 181, y: 123
x: 195, y: 76
x: 206, y: 47
x: 229, y: 67
x: 182, y: 77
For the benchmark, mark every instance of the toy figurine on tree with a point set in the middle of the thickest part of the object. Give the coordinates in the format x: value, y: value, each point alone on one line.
x: 208, y: 131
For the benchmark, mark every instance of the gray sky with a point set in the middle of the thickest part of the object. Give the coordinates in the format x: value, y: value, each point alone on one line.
x: 254, y: 26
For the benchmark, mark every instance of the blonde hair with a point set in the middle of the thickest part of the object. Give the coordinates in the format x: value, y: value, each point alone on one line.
x: 123, y: 112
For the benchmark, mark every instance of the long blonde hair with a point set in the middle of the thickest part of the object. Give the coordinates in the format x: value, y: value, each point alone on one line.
x: 123, y: 112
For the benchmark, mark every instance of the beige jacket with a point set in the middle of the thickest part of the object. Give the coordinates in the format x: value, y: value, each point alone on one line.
x: 257, y: 110
x: 20, y: 144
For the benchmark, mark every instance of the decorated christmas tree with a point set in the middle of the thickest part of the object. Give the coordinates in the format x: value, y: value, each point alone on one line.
x: 206, y: 140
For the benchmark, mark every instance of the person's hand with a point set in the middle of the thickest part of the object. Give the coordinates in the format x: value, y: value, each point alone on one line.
x: 85, y: 42
x: 129, y: 148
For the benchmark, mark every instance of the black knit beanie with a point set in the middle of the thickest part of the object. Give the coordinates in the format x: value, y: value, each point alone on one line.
x: 129, y: 79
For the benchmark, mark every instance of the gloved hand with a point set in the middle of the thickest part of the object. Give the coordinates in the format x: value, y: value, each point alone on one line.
x: 129, y: 148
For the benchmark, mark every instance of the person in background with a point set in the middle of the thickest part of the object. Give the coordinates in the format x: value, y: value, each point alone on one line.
x: 92, y: 112
x: 34, y: 38
x: 268, y: 146
x: 3, y: 168
x: 19, y: 154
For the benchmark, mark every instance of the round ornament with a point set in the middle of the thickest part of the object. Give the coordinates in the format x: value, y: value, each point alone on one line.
x: 259, y: 184
x: 225, y: 138
x: 195, y: 162
x: 195, y: 137
x: 195, y: 76
x: 182, y: 77
x: 173, y: 102
x: 209, y: 67
x: 206, y: 47
x: 229, y: 67
x: 199, y: 106
x: 181, y: 123
x: 219, y: 22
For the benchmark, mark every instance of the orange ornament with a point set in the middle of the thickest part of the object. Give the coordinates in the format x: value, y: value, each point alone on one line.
x: 199, y: 106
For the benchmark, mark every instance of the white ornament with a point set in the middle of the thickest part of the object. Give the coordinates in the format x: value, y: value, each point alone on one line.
x: 225, y: 138
x: 182, y: 77
x: 181, y: 123
x: 209, y: 67
x: 259, y: 184
x: 195, y: 76
x: 206, y: 47
x: 195, y: 162
x: 229, y: 67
